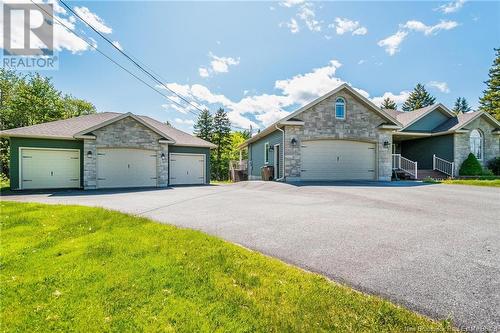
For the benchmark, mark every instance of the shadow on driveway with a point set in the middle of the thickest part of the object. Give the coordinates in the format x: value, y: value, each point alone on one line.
x: 362, y: 183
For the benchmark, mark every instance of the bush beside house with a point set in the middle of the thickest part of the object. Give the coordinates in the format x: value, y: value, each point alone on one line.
x: 494, y: 165
x: 471, y: 167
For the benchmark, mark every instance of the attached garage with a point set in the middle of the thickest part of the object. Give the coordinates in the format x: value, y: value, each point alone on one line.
x: 49, y: 168
x: 120, y: 167
x: 187, y: 169
x: 338, y: 160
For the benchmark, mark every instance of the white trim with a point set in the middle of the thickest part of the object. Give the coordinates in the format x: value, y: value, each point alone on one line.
x: 20, y: 159
x: 276, y: 158
x: 343, y: 103
x: 266, y: 153
x: 213, y: 146
x: 204, y: 165
x: 120, y: 117
x: 481, y: 143
x: 2, y: 135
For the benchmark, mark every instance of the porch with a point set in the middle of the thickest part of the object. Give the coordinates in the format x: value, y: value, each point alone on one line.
x: 418, y: 156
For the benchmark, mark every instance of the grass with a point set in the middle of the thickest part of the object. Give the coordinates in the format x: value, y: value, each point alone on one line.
x: 89, y: 269
x: 220, y: 182
x: 474, y: 182
x: 4, y: 183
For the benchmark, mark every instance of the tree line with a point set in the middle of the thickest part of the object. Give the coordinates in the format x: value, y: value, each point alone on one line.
x: 489, y: 102
x: 217, y: 129
x: 32, y: 99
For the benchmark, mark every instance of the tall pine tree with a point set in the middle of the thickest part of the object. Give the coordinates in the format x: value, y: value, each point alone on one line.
x: 222, y: 138
x: 389, y: 104
x: 419, y: 98
x: 461, y: 106
x: 490, y: 102
x: 204, y: 126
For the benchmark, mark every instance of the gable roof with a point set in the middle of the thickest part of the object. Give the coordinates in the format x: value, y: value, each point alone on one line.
x: 463, y: 119
x: 409, y: 118
x: 78, y: 127
x: 382, y: 113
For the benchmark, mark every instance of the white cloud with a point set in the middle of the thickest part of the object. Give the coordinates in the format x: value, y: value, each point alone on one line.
x: 307, y: 14
x: 429, y: 30
x: 203, y: 72
x: 188, y: 122
x: 93, y: 19
x: 291, y: 3
x: 451, y: 7
x: 218, y: 65
x: 343, y: 25
x: 398, y: 99
x: 292, y: 25
x: 391, y: 44
x: 118, y: 45
x: 441, y: 86
x: 362, y: 61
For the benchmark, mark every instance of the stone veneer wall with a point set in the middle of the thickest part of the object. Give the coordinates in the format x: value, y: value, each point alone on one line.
x: 360, y: 124
x: 125, y: 133
x: 491, y: 143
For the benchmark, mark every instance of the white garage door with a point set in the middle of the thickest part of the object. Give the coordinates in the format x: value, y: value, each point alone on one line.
x: 187, y: 169
x: 49, y: 168
x: 117, y: 167
x: 338, y: 160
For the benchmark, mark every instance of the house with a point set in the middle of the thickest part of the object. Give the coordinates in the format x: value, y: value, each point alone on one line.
x: 106, y: 150
x: 344, y: 136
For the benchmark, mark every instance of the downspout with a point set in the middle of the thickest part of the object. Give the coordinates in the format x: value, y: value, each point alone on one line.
x: 283, y: 174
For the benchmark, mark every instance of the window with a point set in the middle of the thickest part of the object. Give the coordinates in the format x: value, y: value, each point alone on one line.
x: 340, y: 108
x: 266, y: 152
x: 476, y: 144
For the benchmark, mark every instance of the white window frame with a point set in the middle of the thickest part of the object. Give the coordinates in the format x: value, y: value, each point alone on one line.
x: 481, y: 143
x: 266, y: 153
x: 343, y: 103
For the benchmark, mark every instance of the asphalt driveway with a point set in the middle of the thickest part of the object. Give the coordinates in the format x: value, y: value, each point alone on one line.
x: 432, y: 248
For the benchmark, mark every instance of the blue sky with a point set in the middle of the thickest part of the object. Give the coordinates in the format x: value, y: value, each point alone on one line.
x: 261, y: 60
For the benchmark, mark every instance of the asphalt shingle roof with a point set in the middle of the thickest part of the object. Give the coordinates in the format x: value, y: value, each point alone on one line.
x: 67, y: 128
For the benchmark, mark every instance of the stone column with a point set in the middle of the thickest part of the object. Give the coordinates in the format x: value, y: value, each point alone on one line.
x: 162, y: 165
x: 89, y: 164
x: 384, y: 157
x: 292, y: 153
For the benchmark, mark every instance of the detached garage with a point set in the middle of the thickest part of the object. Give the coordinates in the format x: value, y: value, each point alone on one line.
x: 106, y: 150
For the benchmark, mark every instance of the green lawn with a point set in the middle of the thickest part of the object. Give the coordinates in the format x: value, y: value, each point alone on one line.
x: 475, y: 182
x: 89, y: 269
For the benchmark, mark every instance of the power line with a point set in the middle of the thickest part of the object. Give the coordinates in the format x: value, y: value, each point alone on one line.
x: 136, y: 63
x: 112, y: 60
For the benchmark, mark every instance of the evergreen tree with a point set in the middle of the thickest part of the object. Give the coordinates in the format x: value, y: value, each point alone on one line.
x: 389, y: 104
x: 461, y: 106
x: 204, y: 126
x: 221, y: 136
x: 419, y: 98
x: 490, y: 102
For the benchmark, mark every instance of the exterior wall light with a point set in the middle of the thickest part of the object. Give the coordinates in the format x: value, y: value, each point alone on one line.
x: 271, y: 148
x: 162, y: 156
x: 293, y: 141
x: 386, y: 144
x: 89, y: 154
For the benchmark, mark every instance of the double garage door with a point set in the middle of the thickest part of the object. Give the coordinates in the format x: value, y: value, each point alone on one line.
x: 338, y: 160
x: 116, y: 167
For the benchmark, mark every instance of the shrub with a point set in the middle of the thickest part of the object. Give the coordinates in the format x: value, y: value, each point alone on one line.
x: 471, y: 167
x: 494, y: 165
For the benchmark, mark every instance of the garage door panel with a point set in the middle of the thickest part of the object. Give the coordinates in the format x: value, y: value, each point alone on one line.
x: 54, y: 168
x: 338, y: 160
x: 118, y: 167
x: 187, y: 169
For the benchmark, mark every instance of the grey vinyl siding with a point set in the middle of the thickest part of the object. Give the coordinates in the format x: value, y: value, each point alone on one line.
x: 194, y: 150
x: 256, y: 152
x: 428, y: 122
x: 421, y: 150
